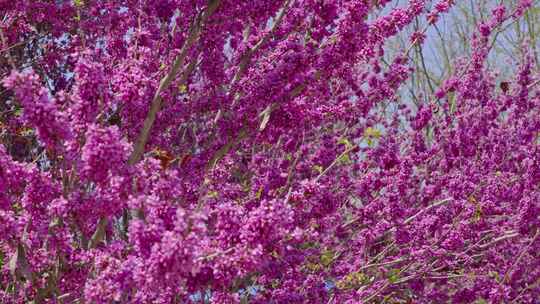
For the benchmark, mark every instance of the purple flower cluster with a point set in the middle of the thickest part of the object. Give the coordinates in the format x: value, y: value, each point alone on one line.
x: 40, y: 113
x: 225, y: 151
x: 104, y: 153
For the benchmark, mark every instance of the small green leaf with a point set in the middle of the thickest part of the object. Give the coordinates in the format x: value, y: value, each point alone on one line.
x: 313, y: 267
x: 369, y: 142
x: 345, y: 159
x: 327, y: 258
x: 372, y: 133
x: 393, y: 275
x: 495, y: 275
x: 346, y: 142
x: 27, y: 132
x: 307, y: 245
x: 259, y: 192
x: 182, y: 88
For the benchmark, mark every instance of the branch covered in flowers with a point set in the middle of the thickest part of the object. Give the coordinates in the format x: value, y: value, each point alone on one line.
x: 221, y: 151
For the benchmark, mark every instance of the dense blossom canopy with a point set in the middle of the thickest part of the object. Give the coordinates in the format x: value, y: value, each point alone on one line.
x: 228, y: 151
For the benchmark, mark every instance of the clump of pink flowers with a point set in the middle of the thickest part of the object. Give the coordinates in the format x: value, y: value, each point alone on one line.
x: 222, y: 151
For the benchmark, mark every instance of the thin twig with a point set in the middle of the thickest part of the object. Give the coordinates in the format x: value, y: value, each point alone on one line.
x: 499, y: 239
x: 194, y: 33
x: 246, y: 58
x: 522, y: 253
x: 334, y: 163
x: 442, y: 202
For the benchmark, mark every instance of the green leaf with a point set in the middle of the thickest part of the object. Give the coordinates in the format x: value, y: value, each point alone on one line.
x: 307, y: 245
x: 346, y: 142
x: 182, y: 88
x: 313, y: 267
x: 327, y: 257
x: 259, y: 192
x: 495, y: 275
x: 345, y: 159
x: 369, y: 142
x: 372, y: 133
x: 17, y: 207
x: 27, y: 132
x: 393, y: 275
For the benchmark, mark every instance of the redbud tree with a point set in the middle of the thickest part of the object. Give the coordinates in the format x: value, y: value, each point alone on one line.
x: 228, y: 151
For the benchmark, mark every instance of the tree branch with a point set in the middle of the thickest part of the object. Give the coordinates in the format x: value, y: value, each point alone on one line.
x: 194, y: 33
